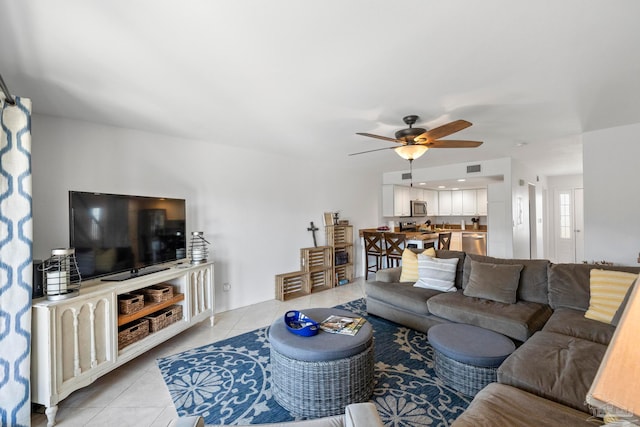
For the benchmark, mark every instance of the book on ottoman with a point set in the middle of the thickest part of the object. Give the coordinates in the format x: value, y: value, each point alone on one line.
x: 342, y: 324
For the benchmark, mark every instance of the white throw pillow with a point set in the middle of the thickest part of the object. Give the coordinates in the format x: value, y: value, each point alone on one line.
x: 437, y: 273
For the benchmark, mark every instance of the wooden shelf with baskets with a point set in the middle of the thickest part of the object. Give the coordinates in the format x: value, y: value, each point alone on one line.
x: 149, y: 308
x: 340, y: 239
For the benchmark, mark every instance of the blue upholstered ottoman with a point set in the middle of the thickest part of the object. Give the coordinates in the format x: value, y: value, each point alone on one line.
x: 318, y: 376
x: 467, y: 357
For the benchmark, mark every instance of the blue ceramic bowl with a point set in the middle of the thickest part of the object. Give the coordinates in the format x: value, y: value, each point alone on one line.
x: 300, y: 324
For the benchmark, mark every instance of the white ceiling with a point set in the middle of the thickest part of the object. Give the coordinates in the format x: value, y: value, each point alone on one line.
x: 301, y: 77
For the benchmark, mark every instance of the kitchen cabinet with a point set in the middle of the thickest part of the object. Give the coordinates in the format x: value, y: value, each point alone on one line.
x: 461, y: 202
x: 396, y: 200
x: 431, y: 197
x: 416, y: 194
x: 444, y: 202
x: 456, y: 202
x: 469, y: 202
x: 481, y: 201
x: 401, y: 201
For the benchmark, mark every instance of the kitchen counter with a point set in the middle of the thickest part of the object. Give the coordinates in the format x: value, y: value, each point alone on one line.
x: 469, y: 240
x: 425, y: 235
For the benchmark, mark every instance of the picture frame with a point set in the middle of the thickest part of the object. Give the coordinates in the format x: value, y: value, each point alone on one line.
x: 328, y: 218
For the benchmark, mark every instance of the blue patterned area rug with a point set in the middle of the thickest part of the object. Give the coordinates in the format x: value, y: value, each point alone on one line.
x: 228, y: 382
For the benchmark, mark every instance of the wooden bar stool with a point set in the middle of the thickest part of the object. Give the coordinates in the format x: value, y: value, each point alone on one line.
x: 395, y: 244
x: 444, y: 241
x: 373, y: 247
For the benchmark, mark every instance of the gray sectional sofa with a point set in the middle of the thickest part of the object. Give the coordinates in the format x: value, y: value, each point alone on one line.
x: 545, y: 381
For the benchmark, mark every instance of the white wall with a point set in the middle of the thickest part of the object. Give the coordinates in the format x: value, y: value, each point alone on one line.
x: 611, y: 159
x: 253, y: 207
x: 521, y: 178
x: 490, y: 168
x: 499, y: 236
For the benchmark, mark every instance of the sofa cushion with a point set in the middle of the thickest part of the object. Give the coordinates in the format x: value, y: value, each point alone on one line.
x: 497, y: 282
x: 436, y: 273
x: 401, y: 295
x: 518, y: 321
x: 569, y: 284
x: 409, y: 271
x: 567, y: 321
x: 502, y: 405
x: 554, y: 366
x: 607, y: 289
x: 391, y: 275
x: 533, y: 278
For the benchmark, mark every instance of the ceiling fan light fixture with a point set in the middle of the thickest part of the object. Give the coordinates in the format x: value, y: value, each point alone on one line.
x: 411, y: 151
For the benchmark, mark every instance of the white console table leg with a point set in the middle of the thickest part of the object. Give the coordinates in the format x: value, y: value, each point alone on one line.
x: 211, y: 319
x: 51, y: 412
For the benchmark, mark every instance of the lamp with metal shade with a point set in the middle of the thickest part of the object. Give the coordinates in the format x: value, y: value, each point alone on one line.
x: 615, y: 391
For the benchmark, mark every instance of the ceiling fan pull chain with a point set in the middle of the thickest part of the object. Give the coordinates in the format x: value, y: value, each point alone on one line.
x: 411, y: 172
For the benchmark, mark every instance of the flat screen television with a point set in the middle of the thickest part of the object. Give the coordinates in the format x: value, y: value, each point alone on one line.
x: 122, y: 236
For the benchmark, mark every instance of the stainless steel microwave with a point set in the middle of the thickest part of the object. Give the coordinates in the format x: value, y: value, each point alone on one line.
x: 418, y: 208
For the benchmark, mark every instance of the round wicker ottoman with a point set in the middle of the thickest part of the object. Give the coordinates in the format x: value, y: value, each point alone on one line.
x: 467, y: 357
x: 318, y: 376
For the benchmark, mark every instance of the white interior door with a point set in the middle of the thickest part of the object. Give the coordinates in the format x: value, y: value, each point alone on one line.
x: 569, y: 219
x: 533, y: 226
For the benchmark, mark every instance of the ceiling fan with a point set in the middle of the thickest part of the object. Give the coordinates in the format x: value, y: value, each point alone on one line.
x: 416, y: 141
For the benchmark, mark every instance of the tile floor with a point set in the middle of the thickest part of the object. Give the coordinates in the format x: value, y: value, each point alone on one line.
x: 135, y: 394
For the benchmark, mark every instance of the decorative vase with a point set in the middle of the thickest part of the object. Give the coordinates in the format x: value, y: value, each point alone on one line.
x: 476, y: 226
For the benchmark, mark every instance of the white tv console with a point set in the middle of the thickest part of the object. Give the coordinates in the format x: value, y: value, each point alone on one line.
x: 75, y: 341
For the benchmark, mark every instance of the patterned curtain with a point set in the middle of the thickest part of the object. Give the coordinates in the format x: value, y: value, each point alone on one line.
x: 16, y: 256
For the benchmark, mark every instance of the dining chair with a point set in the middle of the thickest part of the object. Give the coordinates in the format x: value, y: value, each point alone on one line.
x: 444, y: 241
x: 394, y: 246
x: 373, y: 248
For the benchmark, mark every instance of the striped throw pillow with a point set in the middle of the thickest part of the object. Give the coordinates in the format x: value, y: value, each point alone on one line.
x: 409, y: 272
x: 607, y: 288
x: 436, y: 273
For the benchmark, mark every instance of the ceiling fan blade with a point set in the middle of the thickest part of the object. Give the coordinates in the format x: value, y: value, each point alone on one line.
x: 370, y: 151
x: 442, y: 131
x: 452, y: 143
x: 385, y: 138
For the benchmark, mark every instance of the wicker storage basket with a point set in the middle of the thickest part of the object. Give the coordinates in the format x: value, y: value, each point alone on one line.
x: 132, y: 332
x: 158, y: 293
x: 163, y: 318
x: 130, y: 303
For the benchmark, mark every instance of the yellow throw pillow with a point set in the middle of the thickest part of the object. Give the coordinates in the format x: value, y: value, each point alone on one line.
x: 409, y: 272
x: 607, y: 288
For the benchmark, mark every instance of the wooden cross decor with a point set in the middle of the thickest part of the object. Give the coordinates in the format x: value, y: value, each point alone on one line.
x: 313, y: 230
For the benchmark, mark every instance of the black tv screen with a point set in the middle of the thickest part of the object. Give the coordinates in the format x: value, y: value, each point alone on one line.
x: 115, y: 233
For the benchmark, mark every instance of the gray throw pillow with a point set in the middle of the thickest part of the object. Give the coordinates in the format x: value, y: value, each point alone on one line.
x: 623, y: 304
x: 497, y: 282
